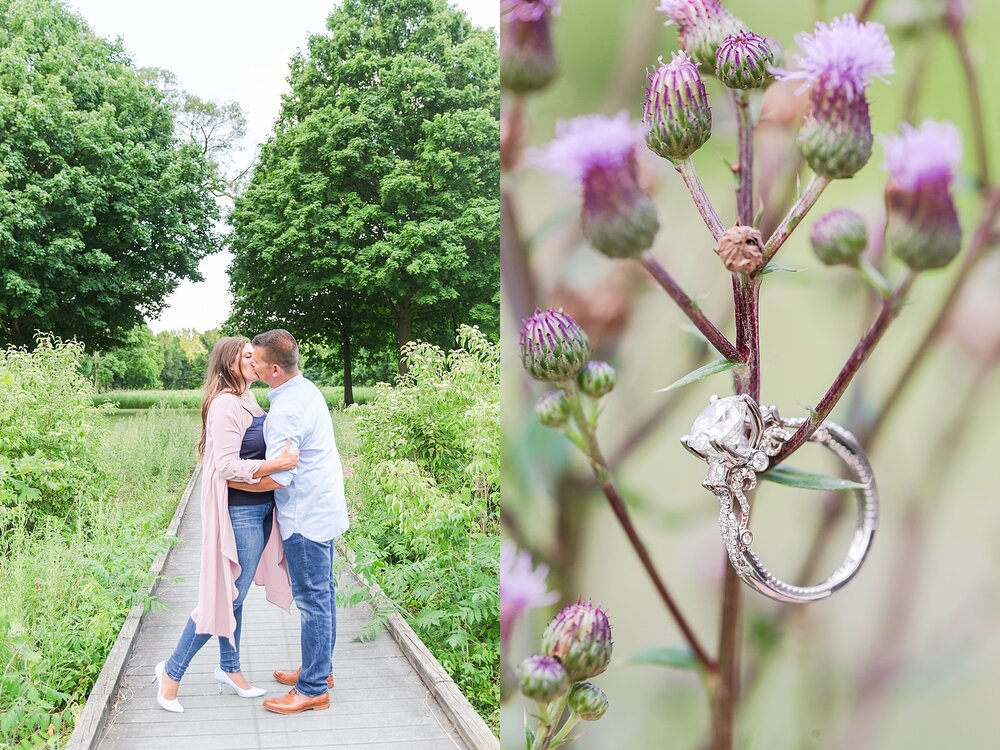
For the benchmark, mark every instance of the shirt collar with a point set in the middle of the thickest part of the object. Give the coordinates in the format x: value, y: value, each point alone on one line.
x: 286, y: 385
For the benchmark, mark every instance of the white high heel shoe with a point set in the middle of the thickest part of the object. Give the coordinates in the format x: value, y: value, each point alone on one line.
x: 223, y: 679
x: 174, y: 705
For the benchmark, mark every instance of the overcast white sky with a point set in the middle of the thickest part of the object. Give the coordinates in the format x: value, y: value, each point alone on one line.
x: 224, y: 50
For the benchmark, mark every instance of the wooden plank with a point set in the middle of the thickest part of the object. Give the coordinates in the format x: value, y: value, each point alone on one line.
x: 466, y: 719
x: 95, y: 712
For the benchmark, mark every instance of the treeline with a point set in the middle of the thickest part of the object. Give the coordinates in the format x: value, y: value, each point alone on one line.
x: 177, y: 360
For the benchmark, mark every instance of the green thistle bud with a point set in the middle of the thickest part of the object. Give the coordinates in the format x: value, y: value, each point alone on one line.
x: 553, y: 408
x: 553, y: 347
x: 676, y: 115
x: 588, y: 701
x: 743, y: 61
x: 527, y: 59
x: 596, y: 379
x: 836, y: 138
x: 542, y: 678
x: 580, y: 638
x: 839, y: 237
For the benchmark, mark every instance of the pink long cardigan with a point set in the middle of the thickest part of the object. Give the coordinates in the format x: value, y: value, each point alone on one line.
x: 226, y: 425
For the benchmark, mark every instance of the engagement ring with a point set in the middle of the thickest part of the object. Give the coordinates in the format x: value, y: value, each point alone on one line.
x: 737, y: 438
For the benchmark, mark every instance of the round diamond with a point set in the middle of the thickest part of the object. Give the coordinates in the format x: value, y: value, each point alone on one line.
x: 725, y: 421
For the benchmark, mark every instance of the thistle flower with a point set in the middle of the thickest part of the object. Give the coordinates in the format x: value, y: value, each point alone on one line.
x: 542, y: 678
x: 839, y: 237
x: 923, y: 229
x: 580, y: 638
x: 701, y: 26
x: 618, y: 217
x: 587, y: 701
x: 553, y: 347
x: 744, y: 60
x: 521, y: 588
x: 840, y: 60
x: 676, y: 115
x: 596, y: 379
x: 553, y: 408
x: 527, y: 59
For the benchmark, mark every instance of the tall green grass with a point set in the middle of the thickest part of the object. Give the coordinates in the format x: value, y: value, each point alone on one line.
x: 66, y: 585
x: 191, y: 399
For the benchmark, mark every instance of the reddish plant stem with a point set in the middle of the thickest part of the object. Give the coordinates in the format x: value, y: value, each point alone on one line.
x: 867, y: 6
x: 690, y: 308
x: 956, y: 29
x: 794, y: 216
x: 890, y: 309
x: 700, y: 197
x: 983, y: 238
x: 744, y: 189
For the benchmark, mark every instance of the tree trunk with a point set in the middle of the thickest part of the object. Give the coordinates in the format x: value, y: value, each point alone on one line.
x: 345, y: 347
x: 404, y: 320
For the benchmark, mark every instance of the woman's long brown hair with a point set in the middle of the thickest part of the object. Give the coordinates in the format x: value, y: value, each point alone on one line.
x: 223, y: 374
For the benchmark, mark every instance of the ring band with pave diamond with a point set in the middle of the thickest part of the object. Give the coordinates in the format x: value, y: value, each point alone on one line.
x: 737, y: 438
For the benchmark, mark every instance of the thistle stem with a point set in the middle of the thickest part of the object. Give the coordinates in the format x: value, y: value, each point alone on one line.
x: 794, y: 216
x: 744, y: 189
x: 700, y: 197
x: 690, y: 308
x: 603, y: 476
x: 954, y: 23
x: 890, y: 309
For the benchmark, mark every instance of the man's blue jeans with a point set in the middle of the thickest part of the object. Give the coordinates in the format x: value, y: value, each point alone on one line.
x: 310, y: 565
x: 252, y: 527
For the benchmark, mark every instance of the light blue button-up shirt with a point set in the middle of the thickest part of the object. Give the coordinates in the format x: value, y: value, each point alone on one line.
x: 311, y: 503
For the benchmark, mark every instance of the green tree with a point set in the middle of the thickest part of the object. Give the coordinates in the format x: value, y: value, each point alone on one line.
x: 103, y: 209
x: 373, y: 210
x: 136, y: 364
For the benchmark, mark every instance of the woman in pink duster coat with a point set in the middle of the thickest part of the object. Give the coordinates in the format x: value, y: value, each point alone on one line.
x: 239, y: 542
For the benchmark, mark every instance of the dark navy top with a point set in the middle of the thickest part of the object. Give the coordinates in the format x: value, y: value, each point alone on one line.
x: 253, y: 448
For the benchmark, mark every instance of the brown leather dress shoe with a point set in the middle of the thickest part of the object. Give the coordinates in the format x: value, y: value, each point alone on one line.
x: 291, y: 677
x: 293, y: 703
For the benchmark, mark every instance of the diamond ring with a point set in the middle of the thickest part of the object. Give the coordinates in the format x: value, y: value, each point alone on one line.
x: 737, y: 438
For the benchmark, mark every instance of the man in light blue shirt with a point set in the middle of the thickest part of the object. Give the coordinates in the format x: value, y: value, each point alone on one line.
x: 311, y: 512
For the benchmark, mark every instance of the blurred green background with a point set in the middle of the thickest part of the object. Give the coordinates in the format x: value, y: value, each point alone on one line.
x: 874, y: 666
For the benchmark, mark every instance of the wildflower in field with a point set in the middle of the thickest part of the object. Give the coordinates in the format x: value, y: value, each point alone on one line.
x: 527, y: 58
x: 743, y: 61
x: 701, y: 26
x: 580, y: 637
x: 923, y: 228
x: 522, y: 587
x: 599, y: 151
x: 839, y: 61
x: 553, y: 347
x: 839, y: 237
x: 676, y: 116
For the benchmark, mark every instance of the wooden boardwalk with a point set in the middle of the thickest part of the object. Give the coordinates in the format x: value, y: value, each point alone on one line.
x: 379, y: 701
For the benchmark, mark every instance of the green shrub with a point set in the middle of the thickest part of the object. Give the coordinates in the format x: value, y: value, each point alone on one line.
x: 425, y: 520
x: 191, y: 398
x: 83, y: 520
x: 50, y: 459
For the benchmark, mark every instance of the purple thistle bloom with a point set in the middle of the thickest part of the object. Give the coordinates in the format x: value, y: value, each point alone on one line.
x: 844, y: 54
x: 579, y: 636
x: 542, y: 678
x: 841, y: 58
x: 527, y: 10
x: 701, y: 26
x: 928, y: 154
x: 527, y: 59
x: 522, y: 587
x: 600, y: 151
x: 676, y: 115
x: 923, y: 228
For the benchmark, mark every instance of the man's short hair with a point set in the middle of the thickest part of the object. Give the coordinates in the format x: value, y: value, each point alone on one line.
x: 281, y: 348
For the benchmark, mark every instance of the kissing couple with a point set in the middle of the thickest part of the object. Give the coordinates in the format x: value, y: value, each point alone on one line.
x: 272, y: 501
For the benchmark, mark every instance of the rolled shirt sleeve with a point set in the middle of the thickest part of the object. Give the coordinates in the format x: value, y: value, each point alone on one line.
x: 227, y: 425
x: 279, y: 427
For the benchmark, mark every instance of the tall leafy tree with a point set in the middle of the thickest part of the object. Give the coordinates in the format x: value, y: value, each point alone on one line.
x: 103, y: 209
x: 374, y: 207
